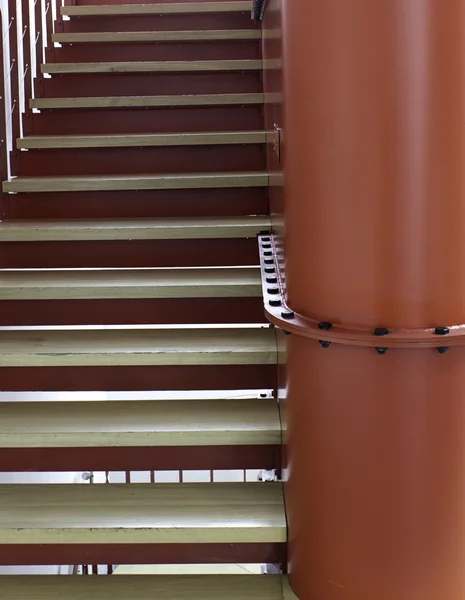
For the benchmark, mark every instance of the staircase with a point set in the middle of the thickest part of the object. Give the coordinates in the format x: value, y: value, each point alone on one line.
x: 129, y: 263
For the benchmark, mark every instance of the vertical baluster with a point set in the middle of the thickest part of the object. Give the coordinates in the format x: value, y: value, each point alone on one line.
x: 13, y: 77
x: 3, y: 132
x: 27, y: 66
x: 49, y: 24
x: 39, y: 46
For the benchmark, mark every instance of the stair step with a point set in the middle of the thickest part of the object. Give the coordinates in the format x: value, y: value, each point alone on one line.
x: 122, y: 346
x: 135, y: 182
x: 67, y: 284
x: 145, y: 587
x: 156, y: 9
x: 142, y: 513
x: 207, y: 35
x: 148, y: 101
x: 142, y: 140
x: 147, y: 423
x: 132, y: 229
x: 180, y: 66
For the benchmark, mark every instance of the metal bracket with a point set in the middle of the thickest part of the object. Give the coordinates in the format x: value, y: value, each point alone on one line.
x: 280, y: 314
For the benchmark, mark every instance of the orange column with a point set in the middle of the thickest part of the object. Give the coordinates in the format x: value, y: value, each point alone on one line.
x: 375, y: 239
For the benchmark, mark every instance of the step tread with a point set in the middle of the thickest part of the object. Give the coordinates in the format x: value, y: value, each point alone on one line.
x: 147, y: 423
x: 153, y: 66
x: 135, y: 182
x: 148, y: 101
x: 146, y: 587
x: 157, y: 36
x: 113, y: 346
x: 132, y: 229
x: 75, y: 284
x: 157, y: 9
x: 142, y: 513
x: 138, y: 140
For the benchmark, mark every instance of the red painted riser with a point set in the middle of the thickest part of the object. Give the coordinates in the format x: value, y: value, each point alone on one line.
x: 102, y: 554
x: 126, y: 161
x: 139, y: 458
x: 148, y: 120
x: 159, y: 23
x: 137, y: 253
x: 151, y: 84
x: 18, y: 379
x: 129, y: 51
x: 131, y: 311
x: 144, y: 203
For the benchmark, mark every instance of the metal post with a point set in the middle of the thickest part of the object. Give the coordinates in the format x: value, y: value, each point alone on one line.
x: 3, y: 130
x: 375, y: 264
x: 27, y: 66
x: 39, y: 41
x: 14, y: 115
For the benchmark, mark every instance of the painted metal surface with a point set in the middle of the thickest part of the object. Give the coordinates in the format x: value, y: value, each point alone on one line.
x: 131, y: 311
x: 138, y: 378
x: 374, y: 217
x: 139, y: 458
x: 139, y: 554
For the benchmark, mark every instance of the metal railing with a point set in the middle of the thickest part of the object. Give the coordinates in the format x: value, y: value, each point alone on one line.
x: 26, y: 42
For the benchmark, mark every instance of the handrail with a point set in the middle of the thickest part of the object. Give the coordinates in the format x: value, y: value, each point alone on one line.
x: 25, y: 37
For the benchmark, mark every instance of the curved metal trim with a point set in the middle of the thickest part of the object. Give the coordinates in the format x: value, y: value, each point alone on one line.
x: 339, y: 333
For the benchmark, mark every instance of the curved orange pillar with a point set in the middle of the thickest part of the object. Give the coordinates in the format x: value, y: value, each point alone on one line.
x: 375, y: 237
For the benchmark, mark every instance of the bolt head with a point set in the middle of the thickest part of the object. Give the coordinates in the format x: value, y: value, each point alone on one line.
x: 442, y: 349
x: 287, y: 314
x: 325, y: 325
x: 275, y: 302
x: 268, y: 261
x: 271, y: 280
x: 273, y: 291
x: 442, y: 331
x: 268, y: 253
x: 381, y: 350
x: 380, y: 331
x: 270, y: 270
x: 266, y: 246
x: 324, y: 343
x: 266, y: 239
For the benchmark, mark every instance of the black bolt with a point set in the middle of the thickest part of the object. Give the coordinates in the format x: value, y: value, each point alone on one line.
x: 264, y: 232
x: 380, y: 331
x: 266, y: 246
x: 324, y: 344
x: 270, y: 270
x: 268, y: 253
x: 275, y: 302
x: 263, y: 395
x: 325, y: 325
x: 287, y: 314
x: 271, y: 280
x: 381, y: 350
x: 273, y: 291
x: 442, y: 331
x: 286, y: 332
x: 266, y: 239
x: 442, y: 349
x: 268, y: 261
